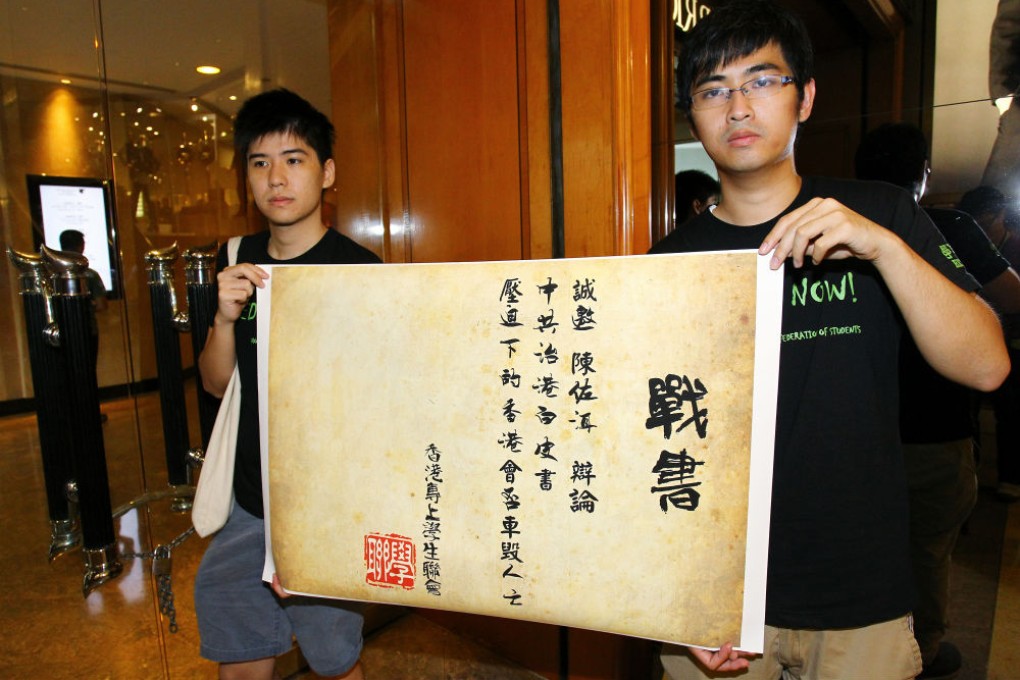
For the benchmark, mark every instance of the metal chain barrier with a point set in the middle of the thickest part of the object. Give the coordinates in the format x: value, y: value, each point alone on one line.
x: 162, y: 563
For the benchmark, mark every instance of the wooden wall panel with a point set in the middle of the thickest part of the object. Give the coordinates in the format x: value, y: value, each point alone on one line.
x: 463, y: 153
x: 632, y: 117
x: 586, y: 40
x: 442, y: 115
x: 369, y: 194
x: 536, y: 93
x: 606, y: 126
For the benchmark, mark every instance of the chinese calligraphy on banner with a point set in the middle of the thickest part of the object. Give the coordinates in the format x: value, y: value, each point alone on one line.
x: 582, y: 442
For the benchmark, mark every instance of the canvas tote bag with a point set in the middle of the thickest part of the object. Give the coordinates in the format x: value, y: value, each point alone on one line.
x: 214, y: 496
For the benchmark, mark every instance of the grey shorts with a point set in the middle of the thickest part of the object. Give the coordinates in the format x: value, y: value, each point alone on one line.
x: 241, y: 619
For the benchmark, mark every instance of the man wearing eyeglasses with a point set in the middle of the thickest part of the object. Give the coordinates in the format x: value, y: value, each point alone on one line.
x: 863, y: 264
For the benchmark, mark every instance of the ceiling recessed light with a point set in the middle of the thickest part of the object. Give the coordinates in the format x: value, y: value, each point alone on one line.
x: 208, y: 70
x: 65, y: 81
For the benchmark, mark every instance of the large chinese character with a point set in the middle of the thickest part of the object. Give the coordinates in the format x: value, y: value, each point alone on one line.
x: 545, y: 479
x: 510, y: 469
x: 547, y: 355
x: 583, y: 319
x: 432, y: 453
x: 432, y: 492
x: 545, y: 416
x: 510, y: 499
x: 544, y: 449
x: 511, y: 440
x: 510, y: 319
x: 547, y: 322
x: 582, y: 363
x: 510, y: 526
x: 510, y: 411
x: 584, y: 291
x: 432, y: 472
x: 510, y: 550
x: 583, y: 421
x: 582, y: 501
x: 430, y: 531
x: 433, y: 514
x: 547, y: 289
x: 510, y: 346
x: 674, y: 470
x: 547, y: 385
x: 511, y: 291
x: 582, y: 472
x: 510, y: 377
x: 509, y: 572
x: 666, y: 399
x: 582, y: 392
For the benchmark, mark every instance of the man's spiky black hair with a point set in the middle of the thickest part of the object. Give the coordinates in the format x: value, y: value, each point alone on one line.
x: 735, y: 30
x: 282, y: 111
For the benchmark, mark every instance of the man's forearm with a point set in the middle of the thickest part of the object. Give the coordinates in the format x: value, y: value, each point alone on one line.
x: 956, y: 331
x: 218, y: 357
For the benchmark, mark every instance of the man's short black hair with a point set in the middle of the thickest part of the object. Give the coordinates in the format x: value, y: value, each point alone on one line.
x: 285, y: 112
x: 894, y: 153
x: 737, y: 29
x: 690, y: 186
x: 982, y: 200
x: 72, y: 240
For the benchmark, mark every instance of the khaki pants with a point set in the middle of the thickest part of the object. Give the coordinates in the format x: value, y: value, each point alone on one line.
x: 884, y: 651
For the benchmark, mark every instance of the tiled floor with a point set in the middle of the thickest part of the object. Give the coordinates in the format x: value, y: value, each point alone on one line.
x: 117, y: 632
x: 51, y: 631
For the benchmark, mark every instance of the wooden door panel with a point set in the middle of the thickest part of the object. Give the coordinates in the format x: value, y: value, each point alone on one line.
x: 463, y: 149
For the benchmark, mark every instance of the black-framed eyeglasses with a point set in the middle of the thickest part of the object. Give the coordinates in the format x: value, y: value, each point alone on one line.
x: 756, y: 88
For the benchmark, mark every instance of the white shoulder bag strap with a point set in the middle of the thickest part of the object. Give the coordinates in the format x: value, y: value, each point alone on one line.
x: 214, y: 495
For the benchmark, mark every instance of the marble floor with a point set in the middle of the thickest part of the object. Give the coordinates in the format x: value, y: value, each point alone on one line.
x: 118, y: 631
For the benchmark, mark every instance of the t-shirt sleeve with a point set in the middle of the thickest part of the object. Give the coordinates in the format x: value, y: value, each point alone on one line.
x: 96, y: 287
x: 971, y: 244
x: 914, y: 226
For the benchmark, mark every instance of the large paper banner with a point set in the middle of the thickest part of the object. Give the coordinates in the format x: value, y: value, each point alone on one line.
x: 582, y: 442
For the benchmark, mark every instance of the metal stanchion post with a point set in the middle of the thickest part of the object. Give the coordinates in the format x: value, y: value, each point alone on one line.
x: 165, y: 321
x: 49, y: 380
x: 71, y: 306
x: 199, y: 271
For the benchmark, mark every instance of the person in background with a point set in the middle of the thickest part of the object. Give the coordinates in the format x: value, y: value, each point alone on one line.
x: 936, y: 424
x: 287, y: 147
x: 1002, y: 170
x: 695, y: 192
x: 73, y: 241
x: 994, y: 212
x: 838, y: 595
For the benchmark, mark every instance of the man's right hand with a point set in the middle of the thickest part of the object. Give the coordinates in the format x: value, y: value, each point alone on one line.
x: 236, y: 284
x: 724, y: 659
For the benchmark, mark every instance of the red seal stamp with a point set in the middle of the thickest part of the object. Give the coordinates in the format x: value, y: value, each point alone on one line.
x: 389, y: 561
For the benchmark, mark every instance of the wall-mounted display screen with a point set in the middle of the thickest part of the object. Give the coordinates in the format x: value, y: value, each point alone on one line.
x: 79, y: 203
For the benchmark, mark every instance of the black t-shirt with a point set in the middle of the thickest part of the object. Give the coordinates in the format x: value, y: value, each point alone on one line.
x: 332, y: 248
x: 838, y: 541
x: 934, y: 409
